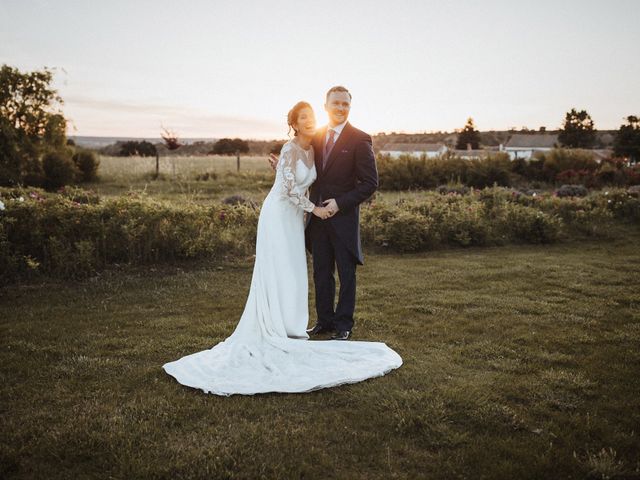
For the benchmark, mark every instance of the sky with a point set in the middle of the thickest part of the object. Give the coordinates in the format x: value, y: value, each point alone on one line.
x: 209, y: 68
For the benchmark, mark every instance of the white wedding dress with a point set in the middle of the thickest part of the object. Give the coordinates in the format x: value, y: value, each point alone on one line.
x: 269, y: 350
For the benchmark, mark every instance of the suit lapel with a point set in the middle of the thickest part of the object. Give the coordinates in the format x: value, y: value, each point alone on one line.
x: 342, y: 139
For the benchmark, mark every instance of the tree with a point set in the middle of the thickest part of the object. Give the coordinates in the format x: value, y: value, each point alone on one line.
x: 172, y: 142
x: 228, y: 146
x: 468, y: 135
x: 276, y: 148
x: 578, y: 130
x: 31, y: 123
x: 627, y: 141
x: 170, y: 139
x: 133, y: 148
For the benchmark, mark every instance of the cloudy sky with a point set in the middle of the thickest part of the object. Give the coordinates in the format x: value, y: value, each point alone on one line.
x: 209, y: 68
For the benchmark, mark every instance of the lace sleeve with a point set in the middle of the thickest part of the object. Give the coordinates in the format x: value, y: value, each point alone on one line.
x: 290, y: 189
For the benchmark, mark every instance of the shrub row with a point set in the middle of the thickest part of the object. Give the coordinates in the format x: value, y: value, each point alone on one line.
x: 459, y: 221
x: 409, y: 172
x: 65, y: 165
x: 73, y: 233
x: 550, y: 168
x: 493, y: 216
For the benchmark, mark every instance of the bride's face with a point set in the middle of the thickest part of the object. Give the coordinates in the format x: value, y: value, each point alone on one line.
x: 306, y: 123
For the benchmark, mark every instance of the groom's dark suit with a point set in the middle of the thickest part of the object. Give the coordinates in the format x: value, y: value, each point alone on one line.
x: 350, y: 177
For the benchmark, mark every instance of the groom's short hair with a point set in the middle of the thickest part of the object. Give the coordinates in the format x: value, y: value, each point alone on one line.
x: 337, y: 88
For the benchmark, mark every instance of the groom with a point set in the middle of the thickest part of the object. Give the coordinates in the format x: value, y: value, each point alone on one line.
x: 347, y: 176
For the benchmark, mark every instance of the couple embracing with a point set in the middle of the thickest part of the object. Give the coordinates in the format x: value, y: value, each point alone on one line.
x: 322, y: 176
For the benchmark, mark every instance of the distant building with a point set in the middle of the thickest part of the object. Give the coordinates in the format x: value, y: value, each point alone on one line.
x: 470, y: 154
x: 430, y: 150
x: 522, y: 145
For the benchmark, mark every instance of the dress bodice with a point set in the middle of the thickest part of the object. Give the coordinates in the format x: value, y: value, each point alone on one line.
x: 295, y: 173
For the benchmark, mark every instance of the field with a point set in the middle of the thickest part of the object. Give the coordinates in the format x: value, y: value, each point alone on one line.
x: 519, y: 362
x: 178, y: 177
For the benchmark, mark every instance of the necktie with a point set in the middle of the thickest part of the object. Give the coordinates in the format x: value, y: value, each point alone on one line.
x: 328, y: 147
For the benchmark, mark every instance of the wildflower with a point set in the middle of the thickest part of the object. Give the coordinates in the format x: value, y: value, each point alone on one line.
x: 1, y: 205
x: 606, y: 193
x: 534, y: 194
x: 20, y: 199
x: 31, y: 262
x: 222, y: 215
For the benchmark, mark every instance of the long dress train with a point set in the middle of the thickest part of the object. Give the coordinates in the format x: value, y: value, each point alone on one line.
x: 269, y: 350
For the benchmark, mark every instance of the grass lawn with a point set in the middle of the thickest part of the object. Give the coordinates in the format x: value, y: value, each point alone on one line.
x: 520, y: 362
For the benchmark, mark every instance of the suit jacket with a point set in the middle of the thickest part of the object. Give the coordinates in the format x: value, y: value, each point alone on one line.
x: 350, y: 176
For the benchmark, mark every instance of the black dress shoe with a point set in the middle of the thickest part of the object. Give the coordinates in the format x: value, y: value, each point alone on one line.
x: 318, y: 329
x: 341, y: 335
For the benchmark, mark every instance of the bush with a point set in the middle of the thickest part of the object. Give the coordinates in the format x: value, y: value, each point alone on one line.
x: 571, y: 191
x: 622, y: 204
x: 237, y: 200
x: 405, y: 172
x: 492, y: 170
x: 133, y: 148
x: 632, y: 174
x: 457, y: 189
x: 529, y: 225
x: 228, y: 146
x: 408, y: 172
x: 64, y: 237
x: 59, y: 169
x: 561, y: 159
x: 87, y: 163
x: 493, y: 219
x: 399, y: 229
x: 73, y: 233
x: 206, y: 176
x: 30, y: 124
x: 11, y: 163
x: 78, y: 195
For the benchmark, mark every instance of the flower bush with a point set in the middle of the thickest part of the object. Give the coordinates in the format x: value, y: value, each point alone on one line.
x: 74, y: 233
x: 553, y: 168
x: 456, y: 220
x: 57, y: 234
x: 572, y: 191
x: 409, y: 172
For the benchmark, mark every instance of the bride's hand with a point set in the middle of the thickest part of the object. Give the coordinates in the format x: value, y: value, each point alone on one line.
x: 273, y: 161
x: 321, y: 212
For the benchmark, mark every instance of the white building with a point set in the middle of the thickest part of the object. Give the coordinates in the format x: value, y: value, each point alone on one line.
x: 522, y: 145
x: 430, y: 150
x: 470, y: 154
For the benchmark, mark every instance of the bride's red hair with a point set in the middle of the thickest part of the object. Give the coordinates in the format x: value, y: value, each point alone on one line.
x: 292, y: 116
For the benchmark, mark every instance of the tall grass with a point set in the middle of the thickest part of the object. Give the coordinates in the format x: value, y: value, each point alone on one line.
x: 126, y: 168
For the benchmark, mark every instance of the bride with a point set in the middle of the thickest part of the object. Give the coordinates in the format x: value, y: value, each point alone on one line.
x: 269, y: 350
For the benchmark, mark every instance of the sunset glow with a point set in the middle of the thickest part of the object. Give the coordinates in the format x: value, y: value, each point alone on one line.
x: 224, y: 68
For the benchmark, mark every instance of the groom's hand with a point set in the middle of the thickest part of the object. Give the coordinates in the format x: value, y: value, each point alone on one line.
x: 331, y: 206
x: 273, y: 161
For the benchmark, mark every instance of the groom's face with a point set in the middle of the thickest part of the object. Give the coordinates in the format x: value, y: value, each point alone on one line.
x: 338, y: 106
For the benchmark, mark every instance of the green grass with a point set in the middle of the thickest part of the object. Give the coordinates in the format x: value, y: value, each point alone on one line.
x: 520, y: 362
